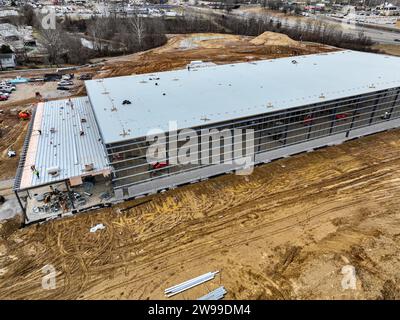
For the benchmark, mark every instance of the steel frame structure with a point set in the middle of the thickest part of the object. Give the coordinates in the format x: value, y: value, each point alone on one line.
x: 294, y: 130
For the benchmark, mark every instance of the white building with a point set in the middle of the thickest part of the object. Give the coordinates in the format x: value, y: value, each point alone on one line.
x: 388, y: 9
x: 7, y: 60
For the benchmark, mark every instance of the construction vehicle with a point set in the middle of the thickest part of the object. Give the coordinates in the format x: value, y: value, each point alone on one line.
x: 24, y: 114
x: 159, y: 165
x: 157, y: 168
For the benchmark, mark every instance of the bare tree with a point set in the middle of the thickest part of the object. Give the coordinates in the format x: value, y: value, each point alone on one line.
x: 75, y: 52
x: 97, y: 31
x: 138, y: 27
x: 52, y: 40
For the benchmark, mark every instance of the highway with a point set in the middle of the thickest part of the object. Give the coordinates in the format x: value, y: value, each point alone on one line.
x: 376, y: 35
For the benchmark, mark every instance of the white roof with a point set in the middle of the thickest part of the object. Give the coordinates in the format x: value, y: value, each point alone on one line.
x: 219, y: 93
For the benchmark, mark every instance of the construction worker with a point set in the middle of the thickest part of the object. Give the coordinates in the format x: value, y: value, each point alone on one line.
x: 71, y: 104
x: 35, y: 171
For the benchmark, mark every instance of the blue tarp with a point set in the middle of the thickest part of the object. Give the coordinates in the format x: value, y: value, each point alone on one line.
x: 18, y: 80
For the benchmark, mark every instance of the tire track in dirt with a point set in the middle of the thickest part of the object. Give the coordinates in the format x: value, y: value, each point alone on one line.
x: 195, y: 223
x: 260, y: 226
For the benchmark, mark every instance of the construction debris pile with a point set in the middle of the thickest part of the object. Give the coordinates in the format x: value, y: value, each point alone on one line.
x: 64, y: 201
x: 56, y: 200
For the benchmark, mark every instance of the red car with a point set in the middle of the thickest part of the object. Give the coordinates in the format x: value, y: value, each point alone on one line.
x: 341, y: 116
x: 3, y: 97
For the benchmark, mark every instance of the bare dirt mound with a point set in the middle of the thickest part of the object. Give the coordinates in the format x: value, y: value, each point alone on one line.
x: 274, y: 39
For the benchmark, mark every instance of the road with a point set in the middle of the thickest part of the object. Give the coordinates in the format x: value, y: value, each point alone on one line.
x: 376, y: 35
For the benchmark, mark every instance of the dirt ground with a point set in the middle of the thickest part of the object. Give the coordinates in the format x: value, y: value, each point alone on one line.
x: 177, y: 53
x: 285, y: 232
x: 391, y: 49
x: 218, y: 48
x: 12, y: 136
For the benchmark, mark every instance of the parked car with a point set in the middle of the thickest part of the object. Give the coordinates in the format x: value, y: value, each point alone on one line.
x: 65, y: 83
x: 5, y: 93
x: 85, y: 76
x: 7, y: 82
x: 63, y: 88
x: 52, y: 77
x: 3, y: 97
x: 69, y: 76
x: 6, y: 89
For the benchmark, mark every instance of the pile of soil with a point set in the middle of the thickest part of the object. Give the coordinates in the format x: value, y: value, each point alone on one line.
x: 274, y: 39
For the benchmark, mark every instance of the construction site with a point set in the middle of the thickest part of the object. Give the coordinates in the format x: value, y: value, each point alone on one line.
x: 284, y: 232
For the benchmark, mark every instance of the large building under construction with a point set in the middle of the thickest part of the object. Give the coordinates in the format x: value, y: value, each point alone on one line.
x: 93, y: 150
